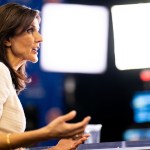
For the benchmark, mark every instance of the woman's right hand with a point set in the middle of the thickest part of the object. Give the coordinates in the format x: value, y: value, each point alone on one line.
x: 60, y: 128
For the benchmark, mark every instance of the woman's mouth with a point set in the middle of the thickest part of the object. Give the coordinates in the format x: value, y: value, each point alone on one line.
x: 35, y: 51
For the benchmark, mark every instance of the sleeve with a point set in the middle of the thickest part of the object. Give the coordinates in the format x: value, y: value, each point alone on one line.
x: 5, y: 81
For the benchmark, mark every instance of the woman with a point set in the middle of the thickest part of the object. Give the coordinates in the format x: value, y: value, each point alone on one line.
x: 19, y: 43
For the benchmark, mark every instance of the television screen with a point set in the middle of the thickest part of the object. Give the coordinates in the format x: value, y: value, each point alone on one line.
x: 136, y: 134
x: 141, y: 107
x: 75, y: 38
x: 131, y: 27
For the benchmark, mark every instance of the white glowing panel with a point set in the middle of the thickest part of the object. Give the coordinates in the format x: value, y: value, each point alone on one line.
x: 131, y: 25
x: 74, y: 38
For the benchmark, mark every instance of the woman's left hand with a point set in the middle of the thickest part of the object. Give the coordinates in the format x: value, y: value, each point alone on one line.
x: 70, y: 144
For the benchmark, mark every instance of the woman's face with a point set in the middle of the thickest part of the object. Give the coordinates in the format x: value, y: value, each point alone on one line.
x: 24, y: 47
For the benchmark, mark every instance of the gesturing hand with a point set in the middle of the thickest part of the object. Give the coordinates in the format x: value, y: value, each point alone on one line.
x: 70, y: 143
x: 60, y: 128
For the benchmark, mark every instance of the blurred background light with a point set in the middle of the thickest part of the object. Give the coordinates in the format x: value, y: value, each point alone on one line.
x: 141, y: 106
x: 75, y: 38
x: 145, y: 75
x: 131, y: 27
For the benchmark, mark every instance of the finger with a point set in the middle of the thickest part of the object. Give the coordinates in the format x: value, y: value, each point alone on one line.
x: 82, y: 124
x: 80, y: 136
x: 76, y: 132
x: 84, y: 139
x: 70, y: 115
x: 85, y: 135
x: 81, y: 140
x: 86, y: 120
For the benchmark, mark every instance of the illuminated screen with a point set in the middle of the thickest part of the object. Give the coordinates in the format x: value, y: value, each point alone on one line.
x: 141, y: 107
x: 75, y: 38
x: 131, y: 27
x: 136, y: 134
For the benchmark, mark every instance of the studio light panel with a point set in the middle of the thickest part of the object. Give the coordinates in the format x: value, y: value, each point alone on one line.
x: 131, y: 28
x: 75, y: 38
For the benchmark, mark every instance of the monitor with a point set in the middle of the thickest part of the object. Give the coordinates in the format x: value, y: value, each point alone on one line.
x: 141, y: 107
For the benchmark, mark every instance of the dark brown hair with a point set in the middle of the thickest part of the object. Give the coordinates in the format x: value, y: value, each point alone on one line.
x: 13, y: 18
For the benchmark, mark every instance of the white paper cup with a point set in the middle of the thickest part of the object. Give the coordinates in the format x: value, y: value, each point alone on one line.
x: 95, y: 132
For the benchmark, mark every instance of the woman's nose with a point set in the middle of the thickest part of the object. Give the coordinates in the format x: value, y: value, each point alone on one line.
x: 38, y: 38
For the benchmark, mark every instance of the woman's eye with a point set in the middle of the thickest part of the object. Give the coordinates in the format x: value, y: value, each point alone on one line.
x: 30, y: 30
